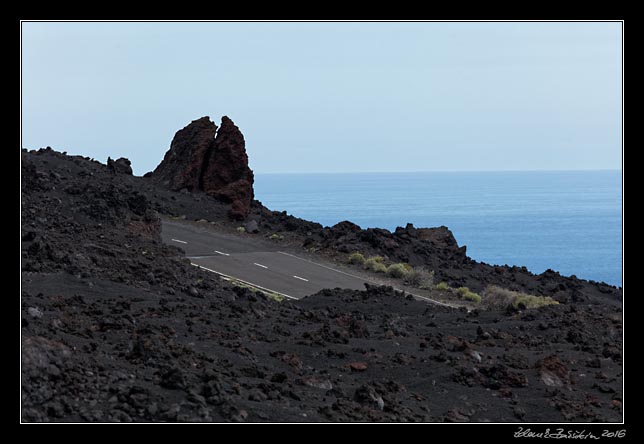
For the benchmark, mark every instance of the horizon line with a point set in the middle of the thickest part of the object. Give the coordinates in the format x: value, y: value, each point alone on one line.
x: 447, y: 171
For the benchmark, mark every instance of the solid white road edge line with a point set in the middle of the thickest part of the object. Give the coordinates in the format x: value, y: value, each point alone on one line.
x: 324, y: 266
x: 180, y: 241
x: 219, y: 252
x: 431, y: 300
x: 363, y: 279
x: 302, y: 279
x: 260, y: 265
x: 225, y: 276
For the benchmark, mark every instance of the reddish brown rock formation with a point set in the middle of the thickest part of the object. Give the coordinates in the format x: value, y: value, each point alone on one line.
x: 202, y: 157
x: 226, y: 175
x: 182, y: 164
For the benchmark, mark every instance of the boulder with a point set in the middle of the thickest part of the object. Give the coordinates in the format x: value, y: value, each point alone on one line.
x: 251, y: 226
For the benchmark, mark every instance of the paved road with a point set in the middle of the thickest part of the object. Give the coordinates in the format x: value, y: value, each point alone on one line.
x: 255, y: 261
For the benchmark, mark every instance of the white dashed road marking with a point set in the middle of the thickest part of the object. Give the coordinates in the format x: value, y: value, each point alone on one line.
x: 358, y: 277
x: 302, y: 279
x: 260, y: 265
x: 224, y: 254
x: 180, y: 241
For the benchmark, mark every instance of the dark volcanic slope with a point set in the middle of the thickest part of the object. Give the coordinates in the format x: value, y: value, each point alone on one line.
x: 116, y: 326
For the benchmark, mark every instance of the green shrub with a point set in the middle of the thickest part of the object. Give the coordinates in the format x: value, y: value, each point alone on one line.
x: 500, y: 298
x: 379, y: 267
x: 378, y: 259
x: 397, y: 270
x: 356, y: 258
x: 442, y: 286
x: 466, y: 293
x: 413, y: 277
x: 473, y: 297
x: 276, y: 236
x: 241, y: 229
x: 530, y: 301
x: 374, y: 265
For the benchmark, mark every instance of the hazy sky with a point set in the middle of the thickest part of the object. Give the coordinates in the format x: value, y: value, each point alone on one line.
x: 332, y: 97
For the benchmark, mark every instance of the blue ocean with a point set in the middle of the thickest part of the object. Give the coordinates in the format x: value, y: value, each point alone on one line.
x: 570, y: 221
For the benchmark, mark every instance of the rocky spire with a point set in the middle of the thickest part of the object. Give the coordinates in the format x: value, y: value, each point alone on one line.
x: 210, y: 160
x: 226, y: 174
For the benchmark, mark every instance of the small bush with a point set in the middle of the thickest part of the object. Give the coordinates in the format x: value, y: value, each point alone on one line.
x: 374, y: 265
x: 413, y: 277
x: 427, y: 281
x: 276, y: 236
x: 397, y: 270
x: 241, y: 229
x: 356, y: 258
x: 442, y: 286
x: 473, y: 297
x: 379, y: 267
x: 497, y: 297
x: 501, y: 298
x: 530, y: 301
x: 378, y: 259
x: 467, y: 294
x: 420, y: 278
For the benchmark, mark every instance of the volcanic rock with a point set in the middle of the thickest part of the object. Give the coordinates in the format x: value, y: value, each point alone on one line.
x: 204, y: 158
x: 251, y: 226
x: 553, y: 372
x: 120, y: 165
x: 122, y: 339
x: 226, y: 175
x: 182, y: 164
x: 366, y: 394
x: 358, y: 366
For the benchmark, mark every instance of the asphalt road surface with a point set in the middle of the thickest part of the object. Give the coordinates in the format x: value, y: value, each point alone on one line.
x: 255, y: 261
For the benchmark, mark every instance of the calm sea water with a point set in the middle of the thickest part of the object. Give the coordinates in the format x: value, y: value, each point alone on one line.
x: 570, y: 221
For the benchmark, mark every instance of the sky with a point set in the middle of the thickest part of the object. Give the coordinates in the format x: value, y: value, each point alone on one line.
x: 332, y: 97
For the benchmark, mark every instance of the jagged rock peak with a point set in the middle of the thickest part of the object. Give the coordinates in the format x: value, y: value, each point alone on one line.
x: 182, y: 164
x: 210, y: 159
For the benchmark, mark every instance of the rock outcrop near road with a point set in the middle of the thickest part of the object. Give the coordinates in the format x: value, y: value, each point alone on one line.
x: 203, y: 157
